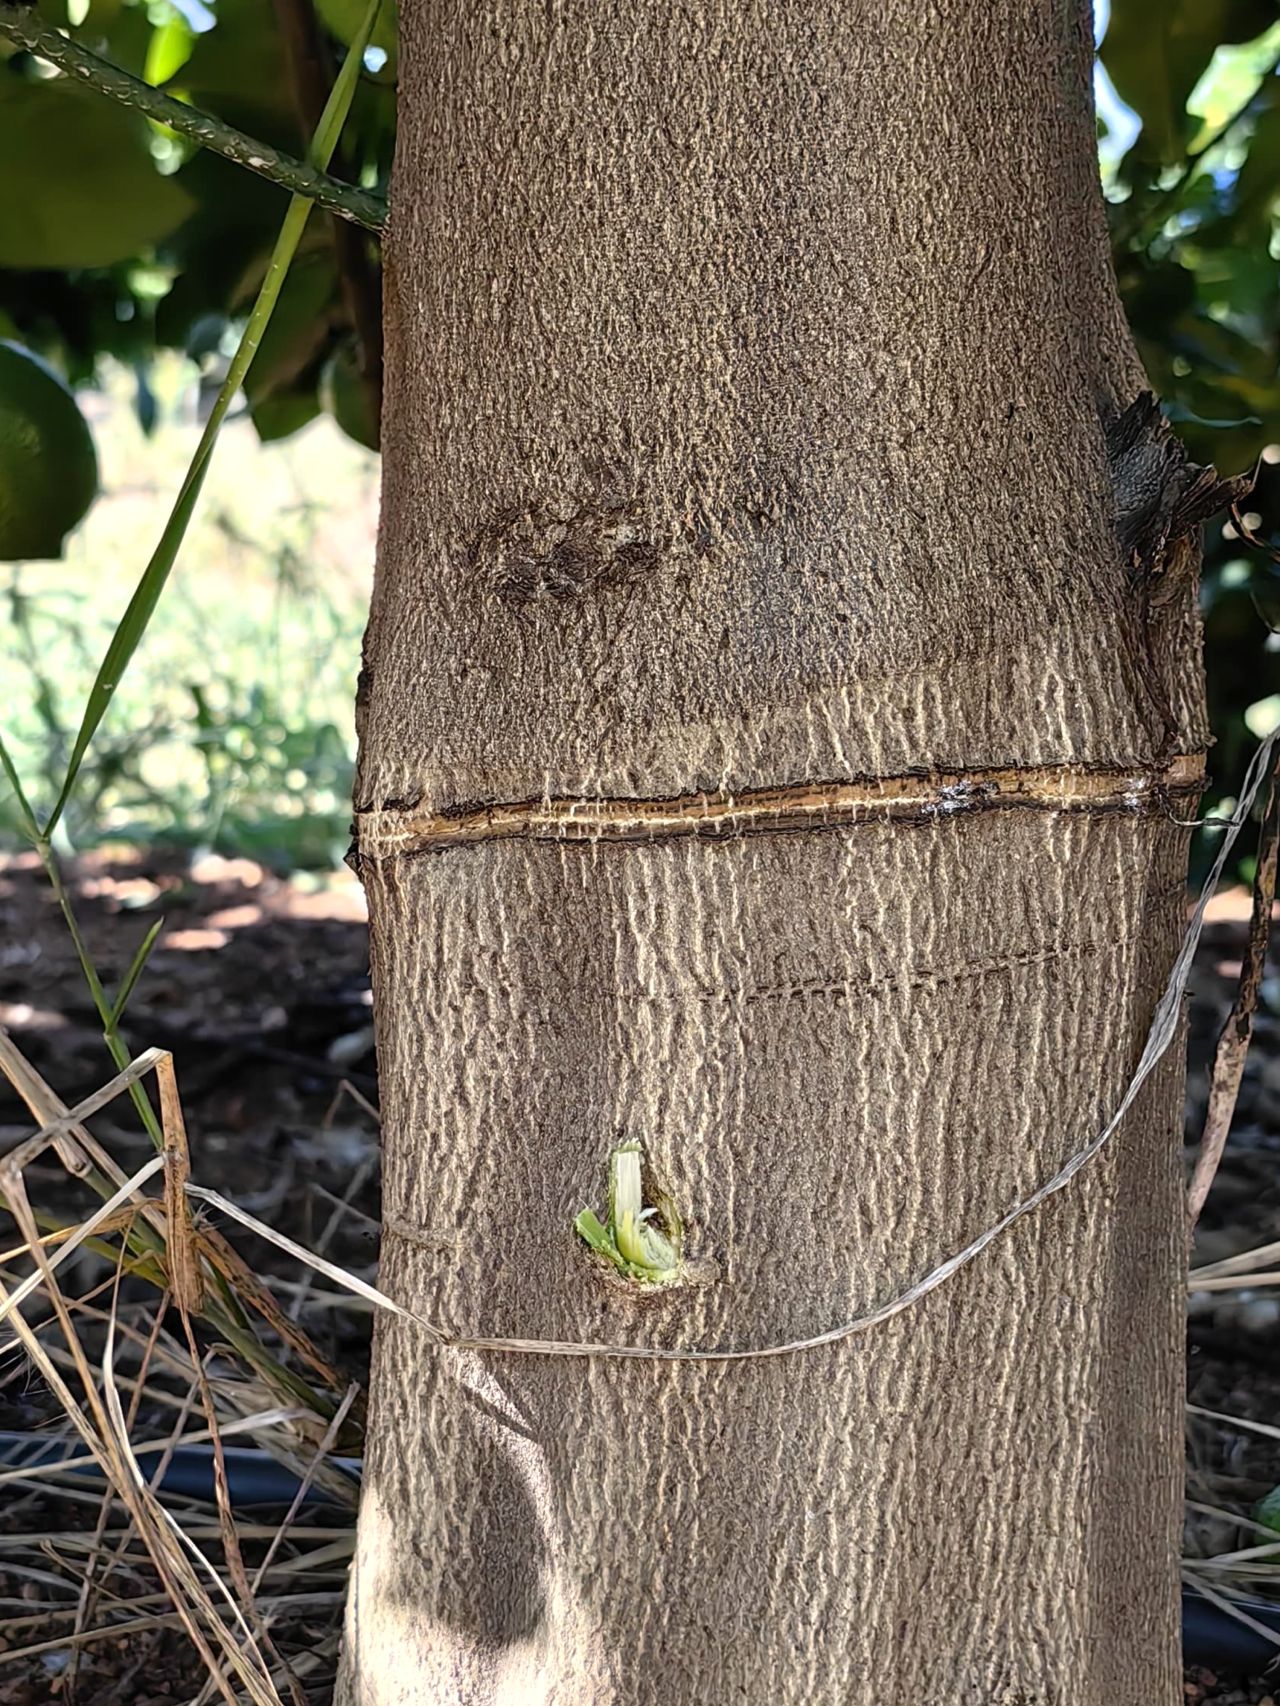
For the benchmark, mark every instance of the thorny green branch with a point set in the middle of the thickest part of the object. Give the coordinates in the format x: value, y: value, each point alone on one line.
x: 360, y: 206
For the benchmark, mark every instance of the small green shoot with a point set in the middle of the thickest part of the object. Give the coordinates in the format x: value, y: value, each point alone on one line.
x: 631, y: 1240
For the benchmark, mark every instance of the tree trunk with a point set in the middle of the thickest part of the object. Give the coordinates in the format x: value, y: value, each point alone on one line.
x: 767, y: 751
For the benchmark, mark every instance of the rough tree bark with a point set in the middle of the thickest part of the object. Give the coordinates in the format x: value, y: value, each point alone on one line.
x: 768, y: 739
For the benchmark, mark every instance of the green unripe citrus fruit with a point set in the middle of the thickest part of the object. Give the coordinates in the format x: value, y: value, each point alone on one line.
x: 48, y: 466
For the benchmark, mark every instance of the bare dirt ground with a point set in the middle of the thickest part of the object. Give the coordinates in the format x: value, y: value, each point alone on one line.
x: 260, y: 989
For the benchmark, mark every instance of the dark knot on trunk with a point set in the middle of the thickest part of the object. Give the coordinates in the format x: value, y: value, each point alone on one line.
x: 1162, y: 498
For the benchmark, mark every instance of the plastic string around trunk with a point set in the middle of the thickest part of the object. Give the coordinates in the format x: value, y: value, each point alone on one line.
x: 1164, y: 1028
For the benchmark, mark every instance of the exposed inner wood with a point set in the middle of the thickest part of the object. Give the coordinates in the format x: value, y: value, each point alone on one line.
x: 389, y: 834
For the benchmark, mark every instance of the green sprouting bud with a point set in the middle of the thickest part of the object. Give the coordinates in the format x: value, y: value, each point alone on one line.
x: 632, y: 1240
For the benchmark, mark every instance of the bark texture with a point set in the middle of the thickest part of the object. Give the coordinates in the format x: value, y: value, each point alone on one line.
x: 750, y: 371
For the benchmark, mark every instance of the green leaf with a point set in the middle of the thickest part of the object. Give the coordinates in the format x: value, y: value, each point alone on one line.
x: 588, y: 1227
x: 48, y: 466
x: 137, y: 617
x: 1267, y: 1510
x: 1155, y: 57
x: 631, y: 1240
x: 101, y: 19
x: 277, y: 417
x: 169, y: 49
x: 227, y: 238
x: 1258, y: 186
x: 26, y: 816
x: 79, y: 188
x: 135, y: 971
x: 345, y: 396
x: 238, y: 70
x: 300, y: 326
x: 120, y: 33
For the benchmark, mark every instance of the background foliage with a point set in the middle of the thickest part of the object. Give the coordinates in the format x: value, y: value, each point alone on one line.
x: 119, y: 239
x: 1192, y: 176
x: 232, y: 730
x: 123, y: 248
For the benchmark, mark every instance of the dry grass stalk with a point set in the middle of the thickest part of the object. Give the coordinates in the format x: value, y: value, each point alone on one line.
x: 86, y: 1604
x: 180, y: 1233
x: 100, y: 1434
x: 218, y: 1606
x: 1237, y: 1033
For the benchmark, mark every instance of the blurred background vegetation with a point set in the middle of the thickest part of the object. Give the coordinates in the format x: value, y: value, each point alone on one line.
x: 232, y: 729
x: 1189, y: 140
x: 128, y: 259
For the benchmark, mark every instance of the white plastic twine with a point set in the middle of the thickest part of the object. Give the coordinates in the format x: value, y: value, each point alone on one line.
x: 1164, y: 1028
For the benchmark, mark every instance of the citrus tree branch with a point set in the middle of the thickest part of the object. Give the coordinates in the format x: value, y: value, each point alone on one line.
x: 21, y: 27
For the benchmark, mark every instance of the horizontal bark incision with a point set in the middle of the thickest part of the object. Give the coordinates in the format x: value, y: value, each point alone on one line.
x: 921, y: 798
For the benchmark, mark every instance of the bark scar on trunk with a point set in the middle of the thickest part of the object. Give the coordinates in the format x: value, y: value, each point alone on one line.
x: 547, y: 552
x: 390, y: 831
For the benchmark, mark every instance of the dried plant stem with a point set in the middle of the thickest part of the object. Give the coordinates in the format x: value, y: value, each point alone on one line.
x: 1237, y: 1033
x: 99, y: 1565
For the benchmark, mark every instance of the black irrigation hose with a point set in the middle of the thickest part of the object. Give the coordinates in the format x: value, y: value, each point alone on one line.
x: 253, y: 1478
x: 1209, y: 1636
x: 1214, y: 1638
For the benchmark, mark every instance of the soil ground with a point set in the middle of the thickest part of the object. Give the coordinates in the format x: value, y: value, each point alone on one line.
x: 259, y: 987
